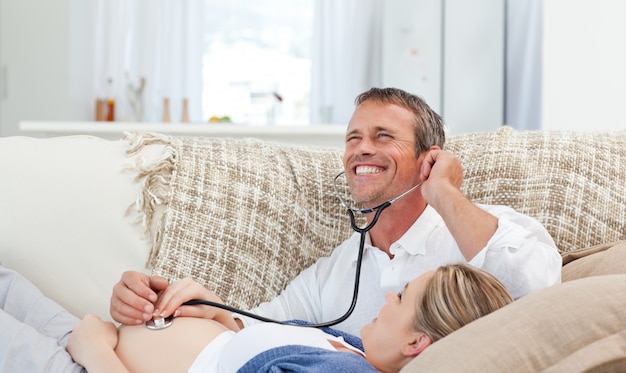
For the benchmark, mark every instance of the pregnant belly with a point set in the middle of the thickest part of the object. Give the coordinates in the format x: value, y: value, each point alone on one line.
x: 167, y: 350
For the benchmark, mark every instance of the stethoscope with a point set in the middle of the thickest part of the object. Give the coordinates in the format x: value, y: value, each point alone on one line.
x: 164, y: 323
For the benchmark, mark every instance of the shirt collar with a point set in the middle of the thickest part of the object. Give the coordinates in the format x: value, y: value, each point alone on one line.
x: 414, y: 240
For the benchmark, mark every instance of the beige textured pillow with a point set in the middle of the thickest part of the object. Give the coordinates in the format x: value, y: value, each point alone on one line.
x: 605, y: 259
x: 577, y: 326
x: 571, y: 182
x: 245, y: 216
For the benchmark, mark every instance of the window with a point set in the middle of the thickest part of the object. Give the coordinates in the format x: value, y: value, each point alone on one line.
x: 257, y: 61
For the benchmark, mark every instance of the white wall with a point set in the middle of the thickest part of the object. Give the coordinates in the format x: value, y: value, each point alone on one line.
x: 412, y: 48
x: 474, y: 61
x: 45, y: 61
x: 584, y: 80
x: 50, y: 68
x: 452, y: 53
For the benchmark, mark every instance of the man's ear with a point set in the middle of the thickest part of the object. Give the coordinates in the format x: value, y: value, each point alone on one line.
x: 415, y: 346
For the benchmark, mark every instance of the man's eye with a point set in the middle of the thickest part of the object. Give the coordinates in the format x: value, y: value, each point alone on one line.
x: 400, y: 296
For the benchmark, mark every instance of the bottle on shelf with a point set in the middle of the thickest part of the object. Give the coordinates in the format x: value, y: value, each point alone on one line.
x: 185, y: 116
x: 110, y: 112
x: 100, y: 110
x: 166, y: 110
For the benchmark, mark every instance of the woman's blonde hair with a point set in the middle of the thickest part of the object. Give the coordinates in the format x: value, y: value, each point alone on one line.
x: 456, y: 295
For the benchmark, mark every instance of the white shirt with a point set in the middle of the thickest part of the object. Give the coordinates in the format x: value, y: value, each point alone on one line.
x: 249, y: 342
x: 230, y: 351
x: 521, y: 254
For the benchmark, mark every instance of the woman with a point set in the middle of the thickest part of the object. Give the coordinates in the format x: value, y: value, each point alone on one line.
x: 430, y: 307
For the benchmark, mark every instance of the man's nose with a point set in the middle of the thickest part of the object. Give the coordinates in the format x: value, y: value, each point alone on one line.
x: 365, y: 147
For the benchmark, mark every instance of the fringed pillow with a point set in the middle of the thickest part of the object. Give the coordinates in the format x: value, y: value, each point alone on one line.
x: 573, y: 183
x: 243, y: 216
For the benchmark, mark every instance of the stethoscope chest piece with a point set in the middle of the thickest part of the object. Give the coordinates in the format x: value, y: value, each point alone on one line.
x: 159, y: 323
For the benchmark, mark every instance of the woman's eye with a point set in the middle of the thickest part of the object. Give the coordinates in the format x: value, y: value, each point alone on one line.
x: 400, y: 296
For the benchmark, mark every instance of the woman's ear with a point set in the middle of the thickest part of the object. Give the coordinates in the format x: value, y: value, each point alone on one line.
x: 415, y: 346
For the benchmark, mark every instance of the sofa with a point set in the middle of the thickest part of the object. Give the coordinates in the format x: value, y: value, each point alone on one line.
x: 244, y: 216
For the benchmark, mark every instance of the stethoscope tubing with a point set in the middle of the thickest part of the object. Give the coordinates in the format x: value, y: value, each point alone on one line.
x: 357, y: 276
x: 355, y: 293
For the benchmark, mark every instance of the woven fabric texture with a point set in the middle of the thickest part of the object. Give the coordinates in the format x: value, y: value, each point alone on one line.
x: 246, y: 216
x: 573, y: 183
x: 243, y: 217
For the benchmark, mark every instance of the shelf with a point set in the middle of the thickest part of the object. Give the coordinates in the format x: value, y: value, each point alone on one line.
x: 317, y: 135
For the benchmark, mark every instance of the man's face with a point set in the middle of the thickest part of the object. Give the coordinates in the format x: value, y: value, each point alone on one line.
x: 379, y: 159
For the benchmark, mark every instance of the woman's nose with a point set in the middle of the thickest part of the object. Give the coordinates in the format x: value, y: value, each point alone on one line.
x: 390, y: 296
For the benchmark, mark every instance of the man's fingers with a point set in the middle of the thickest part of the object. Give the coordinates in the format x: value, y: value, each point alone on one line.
x: 132, y: 299
x: 127, y: 308
x: 127, y: 315
x: 139, y: 284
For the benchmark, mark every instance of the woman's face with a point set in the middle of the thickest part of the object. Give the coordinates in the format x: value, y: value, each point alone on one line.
x: 390, y: 339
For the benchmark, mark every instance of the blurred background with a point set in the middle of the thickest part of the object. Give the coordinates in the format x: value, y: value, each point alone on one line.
x: 531, y: 64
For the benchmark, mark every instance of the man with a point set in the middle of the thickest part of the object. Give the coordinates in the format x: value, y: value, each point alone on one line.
x: 394, y: 141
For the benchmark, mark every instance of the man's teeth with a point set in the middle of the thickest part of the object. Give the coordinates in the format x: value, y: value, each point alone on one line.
x: 364, y: 170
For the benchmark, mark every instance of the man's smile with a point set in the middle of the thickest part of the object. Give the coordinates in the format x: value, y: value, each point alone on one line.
x: 368, y: 170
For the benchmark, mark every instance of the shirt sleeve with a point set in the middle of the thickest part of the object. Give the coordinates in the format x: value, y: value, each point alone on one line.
x: 521, y: 253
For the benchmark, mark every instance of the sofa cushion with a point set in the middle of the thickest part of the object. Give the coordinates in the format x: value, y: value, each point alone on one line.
x: 577, y: 326
x: 63, y: 216
x: 571, y: 182
x: 245, y: 216
x: 604, y: 259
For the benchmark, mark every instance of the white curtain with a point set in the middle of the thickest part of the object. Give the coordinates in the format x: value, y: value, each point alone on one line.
x: 162, y: 41
x: 346, y: 58
x: 524, y: 64
x: 159, y: 40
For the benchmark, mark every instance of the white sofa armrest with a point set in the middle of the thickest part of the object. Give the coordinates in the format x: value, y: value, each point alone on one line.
x: 63, y: 217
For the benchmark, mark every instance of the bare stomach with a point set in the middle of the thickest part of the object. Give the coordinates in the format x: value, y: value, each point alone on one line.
x: 167, y: 350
